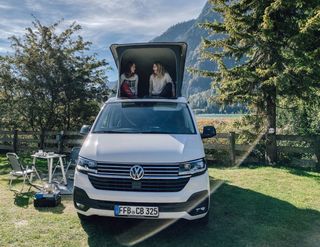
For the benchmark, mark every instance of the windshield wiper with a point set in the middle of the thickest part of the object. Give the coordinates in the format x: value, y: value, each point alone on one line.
x: 156, y: 132
x: 132, y: 132
x: 110, y: 131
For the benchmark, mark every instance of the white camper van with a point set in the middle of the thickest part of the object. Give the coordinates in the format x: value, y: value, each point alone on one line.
x: 143, y: 157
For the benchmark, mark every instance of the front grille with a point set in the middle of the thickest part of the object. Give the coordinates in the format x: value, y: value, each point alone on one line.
x: 148, y: 185
x: 157, y: 178
x: 149, y: 169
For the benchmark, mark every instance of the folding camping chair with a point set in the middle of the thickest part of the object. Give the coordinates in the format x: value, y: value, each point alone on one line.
x: 18, y: 170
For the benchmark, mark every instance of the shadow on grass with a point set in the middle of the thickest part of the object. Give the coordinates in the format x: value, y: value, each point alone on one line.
x: 303, y: 173
x: 298, y: 171
x: 56, y: 210
x: 23, y: 199
x: 239, y: 217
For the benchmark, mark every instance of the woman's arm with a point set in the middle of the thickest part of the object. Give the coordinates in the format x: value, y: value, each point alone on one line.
x: 168, y: 77
x: 122, y: 77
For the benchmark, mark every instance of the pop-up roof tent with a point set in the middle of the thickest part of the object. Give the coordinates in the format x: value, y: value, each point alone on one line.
x: 171, y: 55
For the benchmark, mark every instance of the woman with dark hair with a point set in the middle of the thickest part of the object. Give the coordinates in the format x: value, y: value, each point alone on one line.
x: 129, y: 81
x: 160, y: 82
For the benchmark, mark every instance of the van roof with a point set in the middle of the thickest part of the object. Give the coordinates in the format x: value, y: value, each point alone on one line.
x: 171, y: 54
x: 175, y: 100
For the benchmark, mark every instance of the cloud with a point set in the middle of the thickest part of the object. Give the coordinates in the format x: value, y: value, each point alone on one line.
x: 4, y: 49
x: 14, y: 27
x: 104, y: 22
x: 4, y: 6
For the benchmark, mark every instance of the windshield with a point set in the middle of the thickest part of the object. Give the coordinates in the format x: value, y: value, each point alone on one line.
x: 145, y: 117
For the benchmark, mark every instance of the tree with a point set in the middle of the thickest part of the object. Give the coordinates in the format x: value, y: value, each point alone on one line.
x: 51, y: 82
x: 267, y: 39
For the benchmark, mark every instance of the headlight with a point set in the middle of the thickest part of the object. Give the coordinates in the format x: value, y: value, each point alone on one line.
x: 86, y: 165
x: 192, y: 167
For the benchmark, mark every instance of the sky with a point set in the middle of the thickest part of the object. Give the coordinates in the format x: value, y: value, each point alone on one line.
x: 103, y: 22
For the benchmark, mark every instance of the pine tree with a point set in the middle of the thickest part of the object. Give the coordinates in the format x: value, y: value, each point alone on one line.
x: 275, y: 46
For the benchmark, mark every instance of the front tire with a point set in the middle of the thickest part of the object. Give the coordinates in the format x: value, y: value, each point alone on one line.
x: 84, y: 218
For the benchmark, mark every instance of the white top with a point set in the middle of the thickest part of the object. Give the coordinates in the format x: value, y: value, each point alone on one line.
x: 157, y: 84
x: 132, y: 82
x: 47, y: 156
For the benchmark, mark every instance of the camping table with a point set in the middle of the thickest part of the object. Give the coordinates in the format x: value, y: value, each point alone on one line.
x: 50, y: 158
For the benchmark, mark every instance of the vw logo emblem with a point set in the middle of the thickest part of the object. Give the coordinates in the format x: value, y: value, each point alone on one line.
x: 136, y: 172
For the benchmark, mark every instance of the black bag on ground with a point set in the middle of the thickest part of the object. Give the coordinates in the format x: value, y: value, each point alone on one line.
x: 45, y: 199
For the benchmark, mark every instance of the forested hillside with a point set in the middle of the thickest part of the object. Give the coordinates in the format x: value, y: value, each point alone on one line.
x: 195, y: 87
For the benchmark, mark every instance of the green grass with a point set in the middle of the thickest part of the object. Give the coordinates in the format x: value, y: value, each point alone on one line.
x: 259, y: 206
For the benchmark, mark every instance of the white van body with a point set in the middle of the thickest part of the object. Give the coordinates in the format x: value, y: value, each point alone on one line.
x: 143, y: 174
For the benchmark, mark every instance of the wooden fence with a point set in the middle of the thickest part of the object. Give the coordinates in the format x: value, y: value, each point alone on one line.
x: 29, y: 141
x: 299, y: 150
x: 303, y: 151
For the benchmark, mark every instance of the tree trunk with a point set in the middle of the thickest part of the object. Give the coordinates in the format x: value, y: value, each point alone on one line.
x: 271, y: 141
x: 42, y: 136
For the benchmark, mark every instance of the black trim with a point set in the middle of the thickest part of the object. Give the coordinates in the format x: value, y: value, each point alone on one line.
x: 196, y: 199
x: 146, y: 185
x: 200, y: 173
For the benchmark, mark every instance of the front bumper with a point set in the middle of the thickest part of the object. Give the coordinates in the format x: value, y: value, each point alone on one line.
x: 190, y: 203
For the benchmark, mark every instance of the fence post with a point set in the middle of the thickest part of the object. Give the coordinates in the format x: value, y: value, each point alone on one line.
x: 42, y: 134
x: 232, y: 147
x: 317, y: 151
x: 60, y: 142
x: 15, y: 141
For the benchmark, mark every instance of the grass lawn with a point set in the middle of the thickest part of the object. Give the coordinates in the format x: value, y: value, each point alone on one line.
x: 258, y: 206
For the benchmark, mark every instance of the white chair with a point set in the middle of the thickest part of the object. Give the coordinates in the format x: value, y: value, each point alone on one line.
x: 73, y: 159
x: 18, y: 170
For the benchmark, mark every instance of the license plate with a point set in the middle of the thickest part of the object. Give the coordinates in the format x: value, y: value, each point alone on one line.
x: 136, y: 211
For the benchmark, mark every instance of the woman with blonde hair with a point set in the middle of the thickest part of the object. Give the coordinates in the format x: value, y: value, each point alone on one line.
x: 160, y: 82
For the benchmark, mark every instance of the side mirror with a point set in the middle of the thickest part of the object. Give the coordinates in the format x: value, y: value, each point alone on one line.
x: 208, y: 132
x: 85, y: 129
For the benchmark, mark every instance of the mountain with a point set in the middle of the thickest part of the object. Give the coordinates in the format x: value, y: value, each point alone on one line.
x: 191, y: 33
x: 112, y: 84
x: 173, y: 32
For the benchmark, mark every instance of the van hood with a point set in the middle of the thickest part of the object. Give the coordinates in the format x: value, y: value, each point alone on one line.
x: 136, y: 148
x: 170, y: 54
